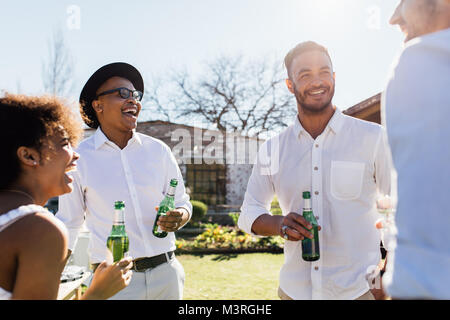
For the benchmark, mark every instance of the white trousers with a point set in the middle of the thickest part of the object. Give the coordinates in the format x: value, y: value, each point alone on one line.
x: 165, y: 282
x: 367, y: 296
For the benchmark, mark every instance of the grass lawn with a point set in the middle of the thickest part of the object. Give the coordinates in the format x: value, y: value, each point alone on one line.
x: 249, y: 276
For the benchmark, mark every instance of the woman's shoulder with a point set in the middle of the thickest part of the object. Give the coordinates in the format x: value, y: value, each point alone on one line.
x: 44, y: 219
x: 16, y: 214
x: 34, y: 220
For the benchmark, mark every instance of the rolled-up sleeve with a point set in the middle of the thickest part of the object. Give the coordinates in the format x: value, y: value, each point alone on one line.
x: 384, y: 171
x: 71, y: 210
x: 258, y: 196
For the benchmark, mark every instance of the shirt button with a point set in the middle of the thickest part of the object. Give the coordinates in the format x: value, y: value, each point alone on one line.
x: 316, y: 193
x: 317, y: 217
x: 317, y: 145
x: 315, y: 168
x: 316, y: 268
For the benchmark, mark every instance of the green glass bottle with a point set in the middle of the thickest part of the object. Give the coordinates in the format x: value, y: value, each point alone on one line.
x: 118, y: 242
x: 310, y: 247
x: 167, y: 204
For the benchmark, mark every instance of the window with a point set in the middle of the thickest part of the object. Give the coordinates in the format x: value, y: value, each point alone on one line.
x: 207, y: 182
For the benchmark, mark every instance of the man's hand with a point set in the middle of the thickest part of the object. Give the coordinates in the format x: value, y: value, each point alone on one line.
x: 294, y: 227
x: 173, y: 220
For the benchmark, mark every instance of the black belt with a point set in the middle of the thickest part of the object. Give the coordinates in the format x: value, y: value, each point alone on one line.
x: 143, y: 264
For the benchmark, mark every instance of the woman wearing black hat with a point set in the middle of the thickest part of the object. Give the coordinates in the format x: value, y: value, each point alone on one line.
x: 117, y: 163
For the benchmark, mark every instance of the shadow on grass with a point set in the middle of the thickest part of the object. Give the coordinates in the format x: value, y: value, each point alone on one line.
x: 225, y: 257
x: 218, y: 256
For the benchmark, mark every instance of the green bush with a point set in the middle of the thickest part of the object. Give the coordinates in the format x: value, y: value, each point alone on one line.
x: 235, y: 217
x: 223, y: 237
x: 199, y: 210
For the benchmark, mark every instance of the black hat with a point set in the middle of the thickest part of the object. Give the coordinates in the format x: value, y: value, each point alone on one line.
x: 88, y: 94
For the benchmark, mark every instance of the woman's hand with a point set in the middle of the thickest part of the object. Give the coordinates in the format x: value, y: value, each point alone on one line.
x: 109, y: 279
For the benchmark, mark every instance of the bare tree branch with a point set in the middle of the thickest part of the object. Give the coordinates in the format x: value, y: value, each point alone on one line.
x: 58, y: 70
x: 233, y: 94
x: 152, y: 100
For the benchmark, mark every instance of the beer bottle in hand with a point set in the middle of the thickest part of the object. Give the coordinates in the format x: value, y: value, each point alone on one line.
x: 118, y: 242
x: 167, y: 204
x: 310, y: 247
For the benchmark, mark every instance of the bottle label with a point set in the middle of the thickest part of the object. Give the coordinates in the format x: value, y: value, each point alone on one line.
x: 307, y: 205
x: 119, y: 217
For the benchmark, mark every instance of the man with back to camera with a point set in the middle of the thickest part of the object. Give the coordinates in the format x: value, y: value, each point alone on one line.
x: 416, y: 109
x: 117, y: 163
x: 343, y: 162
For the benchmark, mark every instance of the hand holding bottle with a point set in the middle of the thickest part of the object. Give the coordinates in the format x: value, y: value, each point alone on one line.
x: 296, y: 227
x: 172, y: 220
x: 165, y: 207
x: 109, y: 279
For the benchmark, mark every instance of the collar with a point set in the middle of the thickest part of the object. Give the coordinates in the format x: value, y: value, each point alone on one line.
x: 335, y: 123
x: 100, y: 138
x: 298, y: 128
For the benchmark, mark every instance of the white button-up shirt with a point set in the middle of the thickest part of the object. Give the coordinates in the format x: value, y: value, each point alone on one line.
x: 417, y: 108
x: 344, y: 168
x: 139, y: 175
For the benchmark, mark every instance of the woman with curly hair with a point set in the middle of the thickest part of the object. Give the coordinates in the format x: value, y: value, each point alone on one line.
x: 33, y: 168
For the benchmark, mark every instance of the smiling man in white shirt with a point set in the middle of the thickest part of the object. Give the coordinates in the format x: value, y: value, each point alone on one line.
x: 416, y: 105
x: 117, y: 163
x: 343, y: 162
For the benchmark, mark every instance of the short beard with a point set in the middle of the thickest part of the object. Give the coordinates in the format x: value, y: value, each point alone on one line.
x: 429, y: 9
x: 431, y: 6
x: 310, y: 108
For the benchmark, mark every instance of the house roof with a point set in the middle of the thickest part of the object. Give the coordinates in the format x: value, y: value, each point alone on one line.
x: 364, y: 105
x: 162, y: 122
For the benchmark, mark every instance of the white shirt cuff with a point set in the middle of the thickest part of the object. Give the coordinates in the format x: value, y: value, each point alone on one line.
x: 248, y: 217
x: 188, y: 209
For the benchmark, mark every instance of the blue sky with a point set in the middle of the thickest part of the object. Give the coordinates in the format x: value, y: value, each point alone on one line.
x: 157, y: 36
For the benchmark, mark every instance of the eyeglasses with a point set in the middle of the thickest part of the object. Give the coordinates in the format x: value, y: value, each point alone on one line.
x: 125, y: 93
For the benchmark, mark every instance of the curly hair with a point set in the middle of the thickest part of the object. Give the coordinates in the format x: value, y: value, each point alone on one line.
x: 88, y: 114
x: 29, y: 121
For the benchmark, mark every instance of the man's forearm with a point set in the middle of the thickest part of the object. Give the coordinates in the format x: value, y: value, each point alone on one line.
x: 185, y: 217
x: 267, y: 225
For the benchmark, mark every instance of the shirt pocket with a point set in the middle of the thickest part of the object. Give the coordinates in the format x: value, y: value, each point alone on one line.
x: 346, y: 179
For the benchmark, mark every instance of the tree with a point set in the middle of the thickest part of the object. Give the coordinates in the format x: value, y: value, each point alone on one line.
x: 157, y: 103
x: 57, y: 71
x: 232, y: 94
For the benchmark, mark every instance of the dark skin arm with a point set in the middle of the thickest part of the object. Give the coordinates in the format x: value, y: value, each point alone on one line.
x: 40, y: 258
x: 268, y: 225
x: 173, y: 220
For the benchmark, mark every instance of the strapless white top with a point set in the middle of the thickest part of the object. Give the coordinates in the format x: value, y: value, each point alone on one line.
x: 8, y: 219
